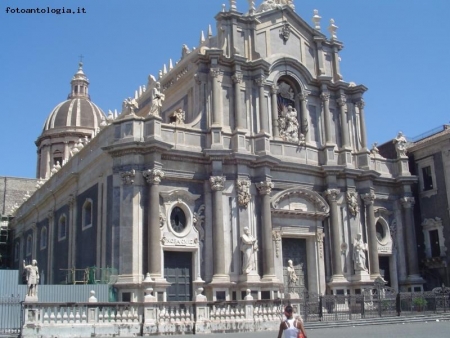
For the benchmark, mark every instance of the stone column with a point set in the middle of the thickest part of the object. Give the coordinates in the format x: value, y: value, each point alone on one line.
x: 154, y: 177
x: 216, y: 113
x: 273, y: 92
x: 50, y: 245
x: 66, y: 154
x: 304, y: 115
x: 374, y: 267
x: 217, y: 186
x: 264, y: 128
x: 332, y: 196
x: 239, y: 118
x: 411, y: 244
x: 336, y: 67
x: 362, y: 122
x: 71, y: 230
x: 265, y: 188
x: 34, y: 246
x: 325, y: 96
x: 320, y: 58
x: 342, y: 102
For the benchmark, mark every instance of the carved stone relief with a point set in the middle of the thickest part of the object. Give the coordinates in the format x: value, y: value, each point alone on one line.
x: 243, y: 189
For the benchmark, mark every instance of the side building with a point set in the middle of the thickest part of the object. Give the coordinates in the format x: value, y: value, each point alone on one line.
x: 243, y: 166
x: 430, y: 161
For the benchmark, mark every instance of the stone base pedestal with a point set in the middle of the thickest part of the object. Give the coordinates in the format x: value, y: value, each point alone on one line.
x: 330, y: 156
x: 262, y: 144
x: 251, y: 277
x: 31, y: 299
x: 239, y: 142
x: 362, y: 276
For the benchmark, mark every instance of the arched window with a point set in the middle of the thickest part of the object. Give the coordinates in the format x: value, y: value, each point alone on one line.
x: 62, y: 228
x: 29, y: 245
x: 43, y: 240
x: 86, y: 215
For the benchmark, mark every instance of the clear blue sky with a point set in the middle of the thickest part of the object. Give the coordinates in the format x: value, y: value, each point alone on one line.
x: 398, y: 49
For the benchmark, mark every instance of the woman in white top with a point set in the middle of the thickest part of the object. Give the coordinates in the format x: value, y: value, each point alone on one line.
x: 290, y: 326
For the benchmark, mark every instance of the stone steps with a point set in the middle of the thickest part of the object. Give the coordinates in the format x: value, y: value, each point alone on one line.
x: 380, y: 321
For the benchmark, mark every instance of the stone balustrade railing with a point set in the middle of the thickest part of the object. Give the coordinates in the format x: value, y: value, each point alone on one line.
x: 150, y: 318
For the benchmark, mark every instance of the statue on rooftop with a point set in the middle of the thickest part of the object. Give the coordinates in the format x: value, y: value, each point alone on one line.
x: 157, y: 97
x: 400, y: 144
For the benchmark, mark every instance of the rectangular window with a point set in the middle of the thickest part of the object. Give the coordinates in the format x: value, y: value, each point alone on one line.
x: 434, y: 242
x: 427, y: 178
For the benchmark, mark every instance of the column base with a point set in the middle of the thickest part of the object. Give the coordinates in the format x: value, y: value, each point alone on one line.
x: 362, y: 276
x: 220, y: 279
x: 262, y: 144
x: 345, y: 157
x: 239, y: 142
x: 363, y: 159
x: 337, y: 279
x: 251, y: 277
x: 270, y: 279
x: 216, y: 137
x: 330, y: 156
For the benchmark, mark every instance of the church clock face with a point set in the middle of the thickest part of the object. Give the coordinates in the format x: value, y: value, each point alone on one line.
x: 178, y: 220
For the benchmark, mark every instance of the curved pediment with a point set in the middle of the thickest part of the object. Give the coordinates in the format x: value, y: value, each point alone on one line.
x: 301, y: 202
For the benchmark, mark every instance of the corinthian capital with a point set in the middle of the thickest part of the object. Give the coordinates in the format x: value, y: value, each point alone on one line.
x: 237, y: 77
x: 342, y: 101
x: 407, y: 202
x: 360, y: 104
x: 325, y: 96
x: 128, y: 176
x: 217, y: 183
x: 153, y: 176
x: 265, y: 187
x: 332, y: 194
x: 274, y: 89
x: 260, y: 81
x: 303, y: 96
x: 368, y: 198
x: 215, y: 72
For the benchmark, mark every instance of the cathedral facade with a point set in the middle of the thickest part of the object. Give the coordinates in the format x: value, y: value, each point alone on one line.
x: 243, y: 166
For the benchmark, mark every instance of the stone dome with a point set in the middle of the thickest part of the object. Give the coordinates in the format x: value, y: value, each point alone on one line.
x: 70, y: 123
x: 78, y: 111
x: 74, y: 113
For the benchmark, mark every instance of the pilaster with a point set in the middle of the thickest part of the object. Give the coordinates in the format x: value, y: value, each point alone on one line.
x: 374, y: 266
x: 265, y: 188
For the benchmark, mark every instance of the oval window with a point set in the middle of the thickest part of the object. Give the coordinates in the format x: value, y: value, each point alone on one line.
x: 178, y: 220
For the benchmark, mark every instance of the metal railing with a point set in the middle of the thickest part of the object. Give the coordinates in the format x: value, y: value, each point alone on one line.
x: 162, y: 318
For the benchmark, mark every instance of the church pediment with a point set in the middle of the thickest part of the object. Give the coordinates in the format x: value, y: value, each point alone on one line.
x: 301, y: 202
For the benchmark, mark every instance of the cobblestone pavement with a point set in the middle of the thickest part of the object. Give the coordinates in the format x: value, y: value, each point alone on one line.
x: 432, y: 329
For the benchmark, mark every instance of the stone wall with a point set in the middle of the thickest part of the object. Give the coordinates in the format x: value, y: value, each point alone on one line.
x: 13, y: 190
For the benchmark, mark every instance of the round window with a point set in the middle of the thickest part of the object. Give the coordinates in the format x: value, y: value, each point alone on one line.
x: 178, y: 220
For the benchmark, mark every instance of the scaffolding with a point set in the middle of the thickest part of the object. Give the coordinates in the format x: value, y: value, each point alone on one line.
x: 89, y: 275
x: 4, y: 242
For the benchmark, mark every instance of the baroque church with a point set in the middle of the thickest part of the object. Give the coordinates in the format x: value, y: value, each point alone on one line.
x: 243, y: 166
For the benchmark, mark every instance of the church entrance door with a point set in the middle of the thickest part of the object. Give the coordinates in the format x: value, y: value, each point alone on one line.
x: 295, y: 276
x: 178, y: 272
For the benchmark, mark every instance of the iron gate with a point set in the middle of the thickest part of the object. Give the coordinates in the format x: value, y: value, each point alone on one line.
x: 11, y: 318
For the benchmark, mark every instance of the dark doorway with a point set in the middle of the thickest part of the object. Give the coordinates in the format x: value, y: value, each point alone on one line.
x: 178, y: 272
x: 384, y: 269
x: 294, y: 249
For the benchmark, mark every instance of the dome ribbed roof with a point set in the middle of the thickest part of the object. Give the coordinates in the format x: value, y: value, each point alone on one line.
x: 78, y: 111
x: 75, y: 112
